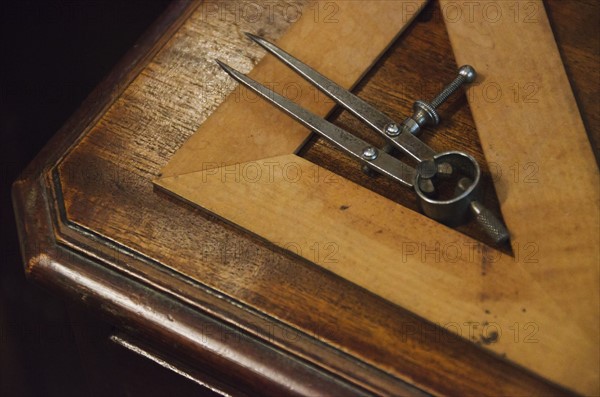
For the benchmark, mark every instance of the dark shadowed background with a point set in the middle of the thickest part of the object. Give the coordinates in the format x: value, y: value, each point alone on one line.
x: 53, y: 53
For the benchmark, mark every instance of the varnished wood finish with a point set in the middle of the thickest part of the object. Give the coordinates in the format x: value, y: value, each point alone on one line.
x: 93, y: 227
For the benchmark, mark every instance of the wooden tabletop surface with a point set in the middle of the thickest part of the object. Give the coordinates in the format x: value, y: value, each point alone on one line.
x: 263, y: 321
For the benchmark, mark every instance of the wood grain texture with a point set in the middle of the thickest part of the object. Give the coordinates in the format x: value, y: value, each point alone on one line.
x: 379, y: 245
x: 536, y: 130
x: 96, y: 213
x: 329, y: 42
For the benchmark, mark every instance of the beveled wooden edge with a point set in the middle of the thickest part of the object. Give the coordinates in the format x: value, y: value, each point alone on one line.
x: 69, y: 267
x: 228, y: 311
x: 142, y: 311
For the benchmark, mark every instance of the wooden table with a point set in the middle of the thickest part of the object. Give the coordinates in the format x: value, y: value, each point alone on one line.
x: 220, y: 306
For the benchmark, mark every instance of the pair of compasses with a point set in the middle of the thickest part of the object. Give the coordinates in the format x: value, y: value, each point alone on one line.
x: 447, y: 184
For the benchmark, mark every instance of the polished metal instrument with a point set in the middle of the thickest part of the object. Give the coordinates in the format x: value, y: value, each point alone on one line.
x: 447, y: 184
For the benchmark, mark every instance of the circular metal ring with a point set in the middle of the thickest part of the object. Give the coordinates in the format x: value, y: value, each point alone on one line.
x: 454, y: 210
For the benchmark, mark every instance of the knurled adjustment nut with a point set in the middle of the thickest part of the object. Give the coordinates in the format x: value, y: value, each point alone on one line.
x: 425, y: 114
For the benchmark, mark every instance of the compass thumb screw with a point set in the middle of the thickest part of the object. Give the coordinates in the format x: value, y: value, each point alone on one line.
x: 425, y: 113
x: 466, y: 74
